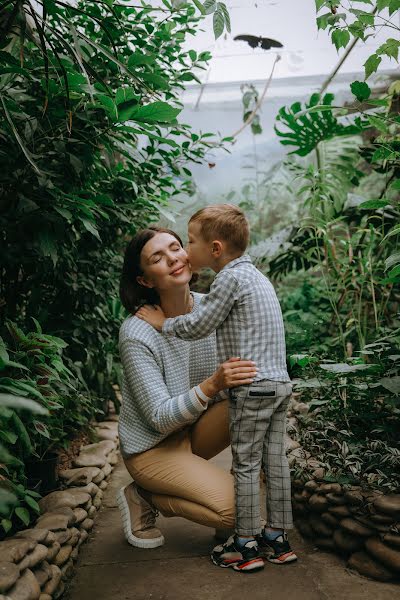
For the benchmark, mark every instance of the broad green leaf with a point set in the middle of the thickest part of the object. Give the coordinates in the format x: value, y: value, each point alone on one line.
x: 156, y: 112
x: 394, y: 259
x: 343, y: 367
x: 89, y: 226
x: 374, y: 204
x: 218, y: 23
x: 372, y: 64
x: 5, y: 523
x: 361, y: 90
x: 22, y: 403
x: 391, y: 383
x: 23, y: 514
x: 32, y: 503
x: 209, y: 6
x: 340, y: 37
x: 390, y: 48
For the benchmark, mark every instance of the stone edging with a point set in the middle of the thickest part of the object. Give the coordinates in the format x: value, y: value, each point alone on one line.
x: 361, y: 525
x: 35, y: 563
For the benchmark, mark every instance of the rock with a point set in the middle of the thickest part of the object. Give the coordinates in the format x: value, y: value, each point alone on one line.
x: 94, y: 455
x: 355, y: 527
x: 15, y: 549
x: 59, y: 591
x: 108, y: 425
x: 38, y: 554
x: 106, y: 434
x: 84, y: 536
x: 37, y: 534
x: 330, y: 488
x: 393, y: 539
x: 59, y: 499
x: 90, y: 488
x: 325, y: 543
x: 376, y: 526
x: 107, y: 469
x: 25, y: 588
x: 347, y: 542
x: 99, y: 478
x: 63, y: 555
x: 45, y: 597
x: 62, y: 537
x: 319, y: 473
x: 9, y: 574
x: 87, y: 524
x: 80, y: 476
x: 113, y: 458
x: 67, y: 570
x: 290, y: 444
x: 354, y: 497
x: 330, y: 519
x: 297, y: 484
x: 53, y: 521
x: 319, y: 526
x: 42, y: 573
x: 75, y: 553
x: 388, y: 505
x: 80, y: 514
x: 51, y: 538
x: 318, y: 503
x: 339, y: 511
x: 336, y: 499
x: 304, y: 527
x: 387, y: 555
x: 298, y: 509
x: 52, y: 551
x: 365, y: 565
x: 381, y: 519
x: 103, y: 485
x: 97, y: 500
x: 91, y: 511
x: 75, y: 535
x: 311, y: 486
x: 51, y: 586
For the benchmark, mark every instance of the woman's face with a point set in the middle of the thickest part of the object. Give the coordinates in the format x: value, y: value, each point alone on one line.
x: 164, y: 263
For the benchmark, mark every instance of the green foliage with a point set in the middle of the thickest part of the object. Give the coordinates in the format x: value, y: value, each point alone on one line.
x: 91, y: 150
x: 306, y: 126
x: 31, y: 366
x: 354, y: 417
x: 345, y: 21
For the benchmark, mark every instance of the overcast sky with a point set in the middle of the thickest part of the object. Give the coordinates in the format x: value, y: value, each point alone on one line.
x: 306, y: 50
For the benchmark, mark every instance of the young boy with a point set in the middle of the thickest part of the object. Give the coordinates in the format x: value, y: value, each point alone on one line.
x: 243, y: 309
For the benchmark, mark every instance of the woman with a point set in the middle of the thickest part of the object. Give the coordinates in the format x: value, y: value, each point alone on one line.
x: 173, y: 417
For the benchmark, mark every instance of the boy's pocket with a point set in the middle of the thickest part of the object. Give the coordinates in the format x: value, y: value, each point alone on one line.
x: 265, y: 393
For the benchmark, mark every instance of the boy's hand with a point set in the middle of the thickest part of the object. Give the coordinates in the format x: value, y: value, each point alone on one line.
x: 153, y: 315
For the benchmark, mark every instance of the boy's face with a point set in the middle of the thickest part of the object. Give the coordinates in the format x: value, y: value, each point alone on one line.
x: 199, y: 251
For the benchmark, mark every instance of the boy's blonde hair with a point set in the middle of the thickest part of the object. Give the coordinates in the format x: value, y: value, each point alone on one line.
x: 224, y: 222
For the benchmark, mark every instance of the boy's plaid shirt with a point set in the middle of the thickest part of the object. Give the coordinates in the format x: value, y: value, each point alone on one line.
x: 243, y: 308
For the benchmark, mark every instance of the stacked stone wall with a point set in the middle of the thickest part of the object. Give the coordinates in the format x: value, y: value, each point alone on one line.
x: 361, y: 525
x: 36, y: 563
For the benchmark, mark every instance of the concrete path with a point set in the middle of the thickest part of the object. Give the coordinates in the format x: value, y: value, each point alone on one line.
x: 110, y: 569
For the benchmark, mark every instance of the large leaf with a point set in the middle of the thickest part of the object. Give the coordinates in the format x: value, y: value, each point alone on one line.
x: 18, y: 402
x: 156, y: 112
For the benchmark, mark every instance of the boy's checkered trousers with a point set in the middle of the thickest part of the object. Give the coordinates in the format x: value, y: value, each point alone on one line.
x: 257, y: 427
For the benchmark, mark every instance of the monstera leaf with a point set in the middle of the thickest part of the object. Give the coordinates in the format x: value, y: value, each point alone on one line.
x: 307, y: 125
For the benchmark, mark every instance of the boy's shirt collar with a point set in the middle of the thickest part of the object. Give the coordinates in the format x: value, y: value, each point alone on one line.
x: 241, y: 259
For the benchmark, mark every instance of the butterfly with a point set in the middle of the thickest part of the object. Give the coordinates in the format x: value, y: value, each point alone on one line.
x: 259, y: 42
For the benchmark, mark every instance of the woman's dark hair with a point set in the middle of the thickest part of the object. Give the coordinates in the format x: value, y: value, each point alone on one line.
x: 132, y: 294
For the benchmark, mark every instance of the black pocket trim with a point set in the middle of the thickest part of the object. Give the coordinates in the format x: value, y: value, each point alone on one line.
x: 262, y: 393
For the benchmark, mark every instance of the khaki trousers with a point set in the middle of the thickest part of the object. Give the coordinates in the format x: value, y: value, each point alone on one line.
x: 181, y: 480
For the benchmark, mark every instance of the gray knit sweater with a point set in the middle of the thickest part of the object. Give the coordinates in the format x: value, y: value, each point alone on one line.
x: 159, y: 376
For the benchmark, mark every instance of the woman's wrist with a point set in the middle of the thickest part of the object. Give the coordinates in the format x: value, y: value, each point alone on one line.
x: 209, y: 387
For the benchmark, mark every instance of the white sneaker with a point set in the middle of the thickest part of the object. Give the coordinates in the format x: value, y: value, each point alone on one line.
x: 138, y: 518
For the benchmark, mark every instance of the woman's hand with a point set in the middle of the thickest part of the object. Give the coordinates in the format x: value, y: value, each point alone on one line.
x: 153, y: 315
x: 231, y: 373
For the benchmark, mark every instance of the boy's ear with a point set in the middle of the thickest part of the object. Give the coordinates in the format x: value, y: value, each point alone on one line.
x: 141, y: 281
x: 217, y: 248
